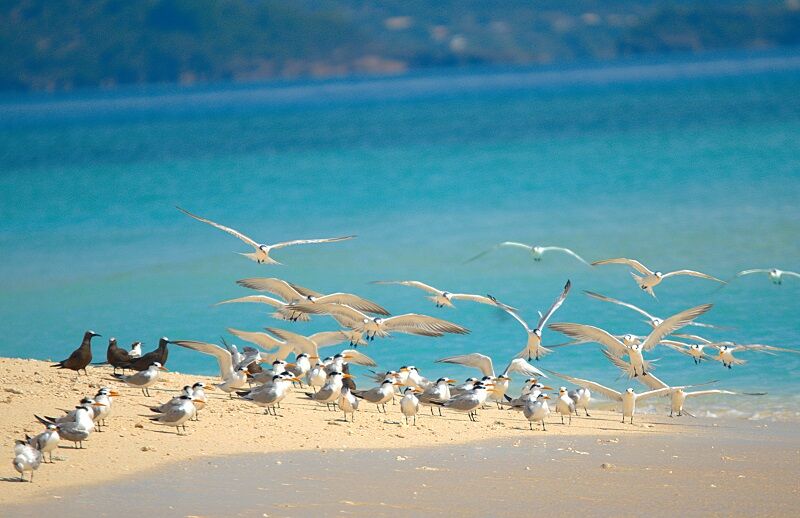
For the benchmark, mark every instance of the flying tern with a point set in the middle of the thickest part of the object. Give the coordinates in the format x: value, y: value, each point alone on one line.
x: 233, y: 376
x: 678, y: 396
x: 444, y: 298
x: 775, y: 275
x: 290, y: 292
x: 536, y: 251
x: 652, y: 321
x: 262, y: 251
x: 651, y: 279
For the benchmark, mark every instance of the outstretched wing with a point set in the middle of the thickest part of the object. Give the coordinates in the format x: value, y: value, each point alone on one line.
x: 259, y: 299
x: 481, y: 299
x: 345, y: 315
x: 262, y: 340
x: 229, y: 230
x: 693, y: 274
x: 413, y: 284
x: 608, y: 392
x: 357, y: 357
x: 590, y: 334
x: 557, y: 304
x: 672, y: 324
x: 354, y: 301
x: 477, y: 360
x: 749, y: 272
x: 620, y: 303
x: 223, y: 357
x: 279, y: 287
x: 523, y: 367
x: 633, y: 263
x: 563, y: 250
x: 512, y: 244
x: 624, y: 366
x: 413, y: 323
x: 310, y: 241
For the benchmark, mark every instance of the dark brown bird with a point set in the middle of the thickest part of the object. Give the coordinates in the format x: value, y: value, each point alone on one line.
x: 116, y: 356
x: 146, y: 360
x: 80, y: 357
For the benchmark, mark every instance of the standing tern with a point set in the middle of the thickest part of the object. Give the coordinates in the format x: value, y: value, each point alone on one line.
x: 348, y: 403
x: 26, y: 458
x: 629, y: 398
x: 533, y: 348
x: 652, y: 321
x: 639, y: 365
x: 439, y: 391
x: 581, y: 397
x: 143, y: 379
x: 534, y: 409
x: 410, y: 323
x: 330, y: 392
x: 444, y: 298
x: 409, y: 403
x: 290, y: 292
x: 775, y: 275
x: 136, y: 350
x: 47, y: 441
x: 468, y: 401
x: 75, y: 431
x: 177, y: 415
x: 261, y: 254
x: 80, y: 357
x: 270, y: 394
x: 536, y: 251
x: 379, y: 395
x: 650, y: 278
x: 565, y: 404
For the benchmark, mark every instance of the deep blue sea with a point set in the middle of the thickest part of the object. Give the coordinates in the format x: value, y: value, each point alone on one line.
x: 681, y: 163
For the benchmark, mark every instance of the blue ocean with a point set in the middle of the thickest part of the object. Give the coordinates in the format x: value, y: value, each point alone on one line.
x: 681, y: 163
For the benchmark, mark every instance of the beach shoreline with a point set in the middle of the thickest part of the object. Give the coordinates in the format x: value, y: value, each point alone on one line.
x: 132, y: 444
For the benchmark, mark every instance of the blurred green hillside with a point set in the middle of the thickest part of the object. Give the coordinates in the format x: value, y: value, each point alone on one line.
x: 64, y: 44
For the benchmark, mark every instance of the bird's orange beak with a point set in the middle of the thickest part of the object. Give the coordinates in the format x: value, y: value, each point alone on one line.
x: 347, y: 376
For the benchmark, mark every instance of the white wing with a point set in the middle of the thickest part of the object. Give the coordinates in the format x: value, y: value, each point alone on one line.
x: 279, y: 287
x: 357, y: 357
x: 327, y: 338
x: 223, y: 357
x: 300, y: 343
x: 590, y: 334
x: 557, y: 304
x: 345, y: 315
x: 477, y: 360
x: 229, y: 230
x: 564, y: 250
x: 672, y: 324
x: 481, y: 299
x: 354, y: 301
x: 261, y: 299
x: 608, y: 392
x: 619, y: 303
x: 693, y: 274
x: 652, y: 382
x: 655, y: 393
x: 413, y: 284
x: 748, y: 272
x: 511, y: 311
x: 636, y: 265
x: 414, y: 323
x: 791, y: 274
x: 262, y: 340
x: 711, y: 391
x: 521, y: 366
x: 626, y: 367
x: 504, y: 243
x: 695, y: 338
x: 310, y: 241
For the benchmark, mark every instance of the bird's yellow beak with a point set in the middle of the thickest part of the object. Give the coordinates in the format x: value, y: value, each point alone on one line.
x: 98, y: 404
x: 398, y: 384
x: 210, y: 387
x: 163, y: 368
x: 295, y: 379
x: 347, y: 376
x: 546, y: 396
x: 545, y: 387
x: 290, y: 365
x: 313, y: 357
x: 450, y: 381
x: 114, y: 393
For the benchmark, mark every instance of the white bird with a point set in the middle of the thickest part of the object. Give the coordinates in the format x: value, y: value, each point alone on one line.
x: 262, y: 251
x: 629, y: 398
x: 725, y: 352
x: 233, y: 376
x: 695, y: 350
x: 177, y: 415
x: 379, y: 395
x: 409, y: 403
x: 317, y: 377
x: 290, y: 292
x: 105, y: 396
x: 26, y: 458
x: 74, y: 431
x: 281, y: 312
x: 775, y: 275
x: 410, y: 323
x: 536, y: 251
x: 439, y: 391
x: 331, y: 391
x: 581, y: 397
x: 348, y: 403
x: 534, y: 348
x: 270, y: 394
x: 143, y: 379
x: 639, y: 366
x: 565, y: 404
x: 469, y: 401
x: 678, y: 396
x: 164, y: 407
x: 199, y: 397
x: 484, y: 364
x: 444, y: 298
x: 47, y: 441
x: 533, y: 408
x: 650, y: 278
x: 652, y: 320
x: 136, y: 350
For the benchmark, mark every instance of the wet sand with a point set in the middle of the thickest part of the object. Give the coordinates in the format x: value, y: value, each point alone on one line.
x: 375, y: 464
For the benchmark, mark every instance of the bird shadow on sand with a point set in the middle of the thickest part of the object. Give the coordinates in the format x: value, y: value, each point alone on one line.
x: 12, y: 479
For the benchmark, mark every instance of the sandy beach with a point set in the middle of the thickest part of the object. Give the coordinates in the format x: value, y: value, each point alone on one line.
x: 131, y: 446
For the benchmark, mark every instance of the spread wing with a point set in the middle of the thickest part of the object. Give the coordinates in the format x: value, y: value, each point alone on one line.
x: 693, y: 274
x: 279, y: 287
x: 563, y: 250
x: 624, y: 366
x: 512, y: 244
x: 636, y: 265
x: 413, y: 284
x: 672, y: 324
x: 511, y: 311
x: 354, y: 301
x: 557, y: 304
x: 359, y: 358
x: 414, y: 323
x: 223, y: 357
x: 590, y: 334
x: 749, y: 272
x: 481, y: 299
x: 656, y: 393
x: 608, y: 392
x: 651, y: 382
x: 695, y: 338
x: 262, y: 340
x: 260, y: 299
x: 229, y: 230
x: 300, y: 343
x: 712, y: 391
x: 620, y: 303
x: 523, y: 367
x: 477, y: 360
x: 310, y: 241
x: 345, y: 315
x: 326, y: 338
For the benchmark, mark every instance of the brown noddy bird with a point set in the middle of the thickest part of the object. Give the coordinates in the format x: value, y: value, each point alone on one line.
x: 116, y: 356
x: 80, y: 357
x: 159, y: 355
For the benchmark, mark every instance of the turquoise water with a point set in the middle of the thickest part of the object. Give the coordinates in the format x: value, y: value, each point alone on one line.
x: 682, y: 164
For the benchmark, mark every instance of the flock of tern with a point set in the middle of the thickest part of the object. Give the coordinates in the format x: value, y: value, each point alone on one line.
x: 262, y: 375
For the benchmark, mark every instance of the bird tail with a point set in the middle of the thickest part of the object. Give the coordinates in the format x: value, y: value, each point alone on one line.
x: 251, y: 256
x: 243, y: 393
x: 44, y: 420
x: 60, y: 365
x: 309, y: 395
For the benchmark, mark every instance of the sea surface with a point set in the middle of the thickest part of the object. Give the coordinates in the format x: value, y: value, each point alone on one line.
x: 681, y: 163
